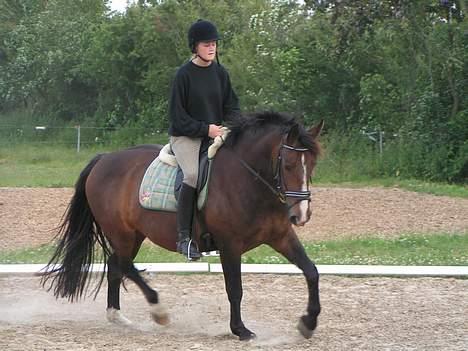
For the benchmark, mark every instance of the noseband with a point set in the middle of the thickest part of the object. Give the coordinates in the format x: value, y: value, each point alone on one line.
x: 278, y: 177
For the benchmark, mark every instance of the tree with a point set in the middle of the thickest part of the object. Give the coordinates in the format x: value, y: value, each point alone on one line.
x: 44, y: 53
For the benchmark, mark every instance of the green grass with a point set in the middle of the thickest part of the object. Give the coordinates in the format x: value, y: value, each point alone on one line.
x: 27, y: 165
x: 440, y: 189
x: 432, y: 188
x: 440, y: 249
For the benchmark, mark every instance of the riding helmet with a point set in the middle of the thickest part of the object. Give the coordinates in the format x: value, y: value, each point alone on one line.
x: 201, y: 31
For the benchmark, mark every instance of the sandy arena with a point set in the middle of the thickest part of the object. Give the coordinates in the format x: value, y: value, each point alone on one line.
x: 357, y: 313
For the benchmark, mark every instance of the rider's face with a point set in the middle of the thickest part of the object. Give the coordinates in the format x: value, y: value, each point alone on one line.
x: 207, y: 50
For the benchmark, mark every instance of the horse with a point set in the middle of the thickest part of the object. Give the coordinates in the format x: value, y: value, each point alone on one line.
x: 259, y: 188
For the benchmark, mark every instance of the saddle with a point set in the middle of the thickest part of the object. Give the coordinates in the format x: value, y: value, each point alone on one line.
x: 162, y: 181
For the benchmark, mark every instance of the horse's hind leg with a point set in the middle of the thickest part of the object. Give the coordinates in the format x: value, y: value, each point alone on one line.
x: 114, y: 280
x: 115, y: 271
x: 158, y: 312
x: 120, y: 264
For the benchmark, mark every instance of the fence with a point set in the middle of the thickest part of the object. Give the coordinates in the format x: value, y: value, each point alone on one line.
x: 78, y: 136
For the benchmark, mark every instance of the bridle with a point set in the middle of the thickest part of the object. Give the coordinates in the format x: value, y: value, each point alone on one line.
x: 281, y: 194
x: 300, y: 195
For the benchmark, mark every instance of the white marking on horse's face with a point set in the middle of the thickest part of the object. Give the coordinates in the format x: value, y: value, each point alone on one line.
x: 304, y: 205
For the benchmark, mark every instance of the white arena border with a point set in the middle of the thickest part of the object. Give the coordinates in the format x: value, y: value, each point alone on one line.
x: 354, y: 270
x: 204, y: 267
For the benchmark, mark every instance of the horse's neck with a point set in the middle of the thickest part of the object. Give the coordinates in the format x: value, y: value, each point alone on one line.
x: 259, y: 149
x: 259, y: 153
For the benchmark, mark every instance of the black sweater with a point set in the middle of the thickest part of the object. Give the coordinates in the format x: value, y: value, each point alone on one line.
x: 200, y: 96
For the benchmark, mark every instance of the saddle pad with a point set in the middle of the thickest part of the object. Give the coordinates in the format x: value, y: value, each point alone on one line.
x: 157, y: 188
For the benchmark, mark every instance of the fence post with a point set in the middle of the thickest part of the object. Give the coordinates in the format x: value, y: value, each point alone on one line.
x: 78, y: 138
x: 376, y: 139
x: 381, y: 142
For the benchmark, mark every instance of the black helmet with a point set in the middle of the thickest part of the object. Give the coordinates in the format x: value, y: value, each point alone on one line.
x: 201, y: 30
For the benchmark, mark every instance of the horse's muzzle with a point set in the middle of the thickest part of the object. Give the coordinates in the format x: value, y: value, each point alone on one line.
x: 297, y: 222
x: 293, y: 219
x: 300, y: 215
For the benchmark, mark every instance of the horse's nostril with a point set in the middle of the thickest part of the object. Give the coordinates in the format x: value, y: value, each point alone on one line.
x: 293, y: 219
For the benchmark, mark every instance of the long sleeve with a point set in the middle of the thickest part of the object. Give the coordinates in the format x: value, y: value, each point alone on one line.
x: 201, y: 96
x: 182, y: 124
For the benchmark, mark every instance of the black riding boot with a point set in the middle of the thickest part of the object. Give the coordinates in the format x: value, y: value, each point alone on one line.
x: 185, y: 205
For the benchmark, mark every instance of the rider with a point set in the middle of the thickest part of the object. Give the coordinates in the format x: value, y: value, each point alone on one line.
x: 202, y: 98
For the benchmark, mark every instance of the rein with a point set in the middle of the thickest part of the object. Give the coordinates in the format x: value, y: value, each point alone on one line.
x: 282, y: 195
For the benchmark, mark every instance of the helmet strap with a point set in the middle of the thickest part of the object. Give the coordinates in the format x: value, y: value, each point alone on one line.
x: 201, y: 58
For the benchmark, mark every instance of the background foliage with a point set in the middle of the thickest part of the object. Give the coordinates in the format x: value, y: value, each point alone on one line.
x: 394, y: 66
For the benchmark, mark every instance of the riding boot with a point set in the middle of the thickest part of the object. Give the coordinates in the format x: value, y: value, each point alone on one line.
x: 185, y: 206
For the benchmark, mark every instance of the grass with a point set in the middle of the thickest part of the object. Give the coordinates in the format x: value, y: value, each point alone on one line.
x: 440, y: 189
x: 411, y: 249
x: 28, y: 165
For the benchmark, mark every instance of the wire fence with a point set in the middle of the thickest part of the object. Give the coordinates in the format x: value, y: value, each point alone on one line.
x: 77, y: 136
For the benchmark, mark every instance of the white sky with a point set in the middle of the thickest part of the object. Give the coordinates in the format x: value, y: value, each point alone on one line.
x: 118, y: 5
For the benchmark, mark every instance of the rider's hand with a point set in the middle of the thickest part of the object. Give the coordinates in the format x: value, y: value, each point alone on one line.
x: 215, y: 131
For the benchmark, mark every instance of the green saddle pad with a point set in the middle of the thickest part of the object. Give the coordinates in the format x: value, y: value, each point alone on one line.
x: 157, y: 188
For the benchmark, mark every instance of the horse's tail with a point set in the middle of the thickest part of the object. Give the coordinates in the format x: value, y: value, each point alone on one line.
x: 71, y: 262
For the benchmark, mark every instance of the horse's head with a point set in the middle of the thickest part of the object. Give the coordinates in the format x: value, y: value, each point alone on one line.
x: 298, y: 155
x: 292, y: 153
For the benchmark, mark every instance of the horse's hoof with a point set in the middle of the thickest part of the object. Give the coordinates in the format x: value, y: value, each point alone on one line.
x: 159, y: 314
x: 116, y: 317
x: 304, y: 330
x: 247, y: 336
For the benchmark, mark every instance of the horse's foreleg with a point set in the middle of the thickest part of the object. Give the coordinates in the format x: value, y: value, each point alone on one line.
x: 232, y: 277
x: 293, y: 250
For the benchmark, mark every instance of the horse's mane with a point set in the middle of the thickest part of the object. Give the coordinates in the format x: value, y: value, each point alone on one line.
x: 261, y: 122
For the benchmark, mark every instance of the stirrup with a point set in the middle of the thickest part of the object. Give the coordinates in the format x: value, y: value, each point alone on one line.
x: 188, y: 242
x: 188, y: 251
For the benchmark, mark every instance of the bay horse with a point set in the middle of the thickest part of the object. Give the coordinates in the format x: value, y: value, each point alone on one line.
x: 259, y: 187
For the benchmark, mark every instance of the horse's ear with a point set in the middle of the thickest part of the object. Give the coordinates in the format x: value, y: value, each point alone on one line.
x: 315, y: 131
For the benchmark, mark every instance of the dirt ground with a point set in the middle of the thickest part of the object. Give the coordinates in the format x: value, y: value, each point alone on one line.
x: 357, y: 313
x: 28, y: 216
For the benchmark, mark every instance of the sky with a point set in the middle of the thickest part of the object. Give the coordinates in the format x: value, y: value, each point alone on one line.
x: 118, y: 5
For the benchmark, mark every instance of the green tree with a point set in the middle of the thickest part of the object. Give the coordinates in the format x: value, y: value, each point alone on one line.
x: 44, y: 57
